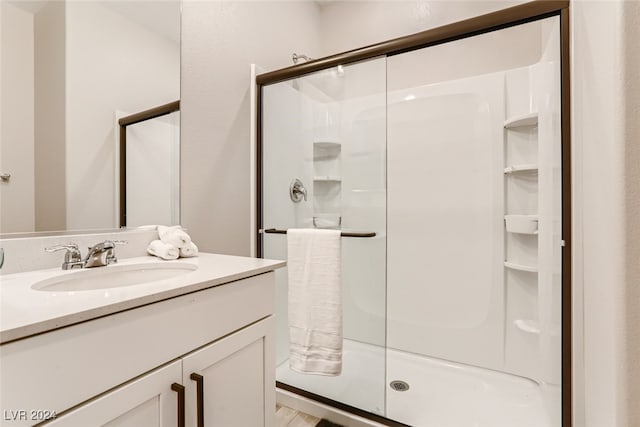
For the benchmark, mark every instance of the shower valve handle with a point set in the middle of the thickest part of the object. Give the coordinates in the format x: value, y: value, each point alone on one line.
x: 297, y: 192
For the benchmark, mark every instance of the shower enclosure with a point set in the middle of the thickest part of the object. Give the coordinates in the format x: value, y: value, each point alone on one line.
x: 443, y: 168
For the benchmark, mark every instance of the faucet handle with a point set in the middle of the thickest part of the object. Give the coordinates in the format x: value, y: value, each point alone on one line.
x: 68, y: 247
x: 72, y: 257
x: 111, y: 255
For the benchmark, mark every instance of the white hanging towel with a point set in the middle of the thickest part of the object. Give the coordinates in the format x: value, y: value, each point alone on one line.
x: 315, y: 301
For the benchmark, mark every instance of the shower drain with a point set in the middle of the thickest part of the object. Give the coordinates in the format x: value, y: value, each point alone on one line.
x: 398, y: 385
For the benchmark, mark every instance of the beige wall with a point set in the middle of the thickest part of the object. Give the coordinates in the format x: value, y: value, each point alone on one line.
x: 49, y: 118
x: 606, y: 102
x: 219, y: 41
x: 347, y: 25
x: 631, y: 25
x: 16, y: 134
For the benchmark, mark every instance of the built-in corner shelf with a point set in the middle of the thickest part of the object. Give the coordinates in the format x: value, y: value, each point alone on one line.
x: 518, y: 169
x: 521, y: 224
x: 327, y: 144
x: 525, y: 120
x: 529, y: 326
x: 520, y: 267
x: 326, y: 178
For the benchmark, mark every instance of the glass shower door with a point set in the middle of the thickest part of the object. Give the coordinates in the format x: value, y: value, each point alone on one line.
x: 474, y: 225
x: 323, y: 166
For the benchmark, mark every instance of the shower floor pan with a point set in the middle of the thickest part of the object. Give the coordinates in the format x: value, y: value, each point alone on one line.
x: 440, y: 393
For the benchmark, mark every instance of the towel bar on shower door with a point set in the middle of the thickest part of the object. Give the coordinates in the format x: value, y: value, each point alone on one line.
x: 342, y: 234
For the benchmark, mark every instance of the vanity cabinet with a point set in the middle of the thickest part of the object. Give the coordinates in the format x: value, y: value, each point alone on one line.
x: 145, y: 402
x: 118, y: 370
x: 229, y: 377
x: 222, y: 384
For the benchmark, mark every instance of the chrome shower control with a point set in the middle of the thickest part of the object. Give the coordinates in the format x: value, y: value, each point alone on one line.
x: 297, y: 192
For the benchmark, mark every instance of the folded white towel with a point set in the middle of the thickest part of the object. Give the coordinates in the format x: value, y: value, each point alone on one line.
x: 174, y: 235
x: 163, y: 250
x: 189, y: 250
x: 315, y: 301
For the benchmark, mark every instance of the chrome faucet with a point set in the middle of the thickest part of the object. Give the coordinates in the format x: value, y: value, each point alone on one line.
x: 99, y: 255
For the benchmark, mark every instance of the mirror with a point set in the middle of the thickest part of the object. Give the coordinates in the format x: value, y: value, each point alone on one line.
x: 70, y: 69
x: 149, y: 167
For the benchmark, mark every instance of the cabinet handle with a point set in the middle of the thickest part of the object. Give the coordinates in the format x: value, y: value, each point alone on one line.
x: 179, y: 388
x: 199, y: 379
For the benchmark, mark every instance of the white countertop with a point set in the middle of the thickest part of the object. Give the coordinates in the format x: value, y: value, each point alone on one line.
x: 25, y: 311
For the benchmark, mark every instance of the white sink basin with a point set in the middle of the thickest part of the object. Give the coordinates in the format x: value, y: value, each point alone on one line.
x: 113, y: 276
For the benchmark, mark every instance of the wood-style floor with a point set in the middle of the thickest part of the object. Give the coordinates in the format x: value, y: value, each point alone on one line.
x: 287, y: 417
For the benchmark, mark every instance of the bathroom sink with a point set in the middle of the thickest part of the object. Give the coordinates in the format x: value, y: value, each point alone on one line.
x: 113, y: 276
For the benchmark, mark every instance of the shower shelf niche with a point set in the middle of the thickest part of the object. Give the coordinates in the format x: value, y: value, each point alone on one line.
x: 517, y: 169
x: 327, y: 181
x: 327, y: 178
x: 527, y: 325
x: 325, y: 150
x: 327, y: 144
x: 525, y: 120
x: 521, y: 224
x: 520, y: 267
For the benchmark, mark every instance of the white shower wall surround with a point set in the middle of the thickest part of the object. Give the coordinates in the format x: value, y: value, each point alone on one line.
x: 432, y: 168
x: 445, y: 231
x: 447, y: 282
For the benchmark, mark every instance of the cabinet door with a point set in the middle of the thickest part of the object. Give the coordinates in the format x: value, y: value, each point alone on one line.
x: 145, y: 402
x: 234, y: 379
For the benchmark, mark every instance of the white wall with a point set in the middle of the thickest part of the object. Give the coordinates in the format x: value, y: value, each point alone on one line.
x: 147, y: 75
x: 16, y: 138
x: 219, y: 41
x: 606, y: 97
